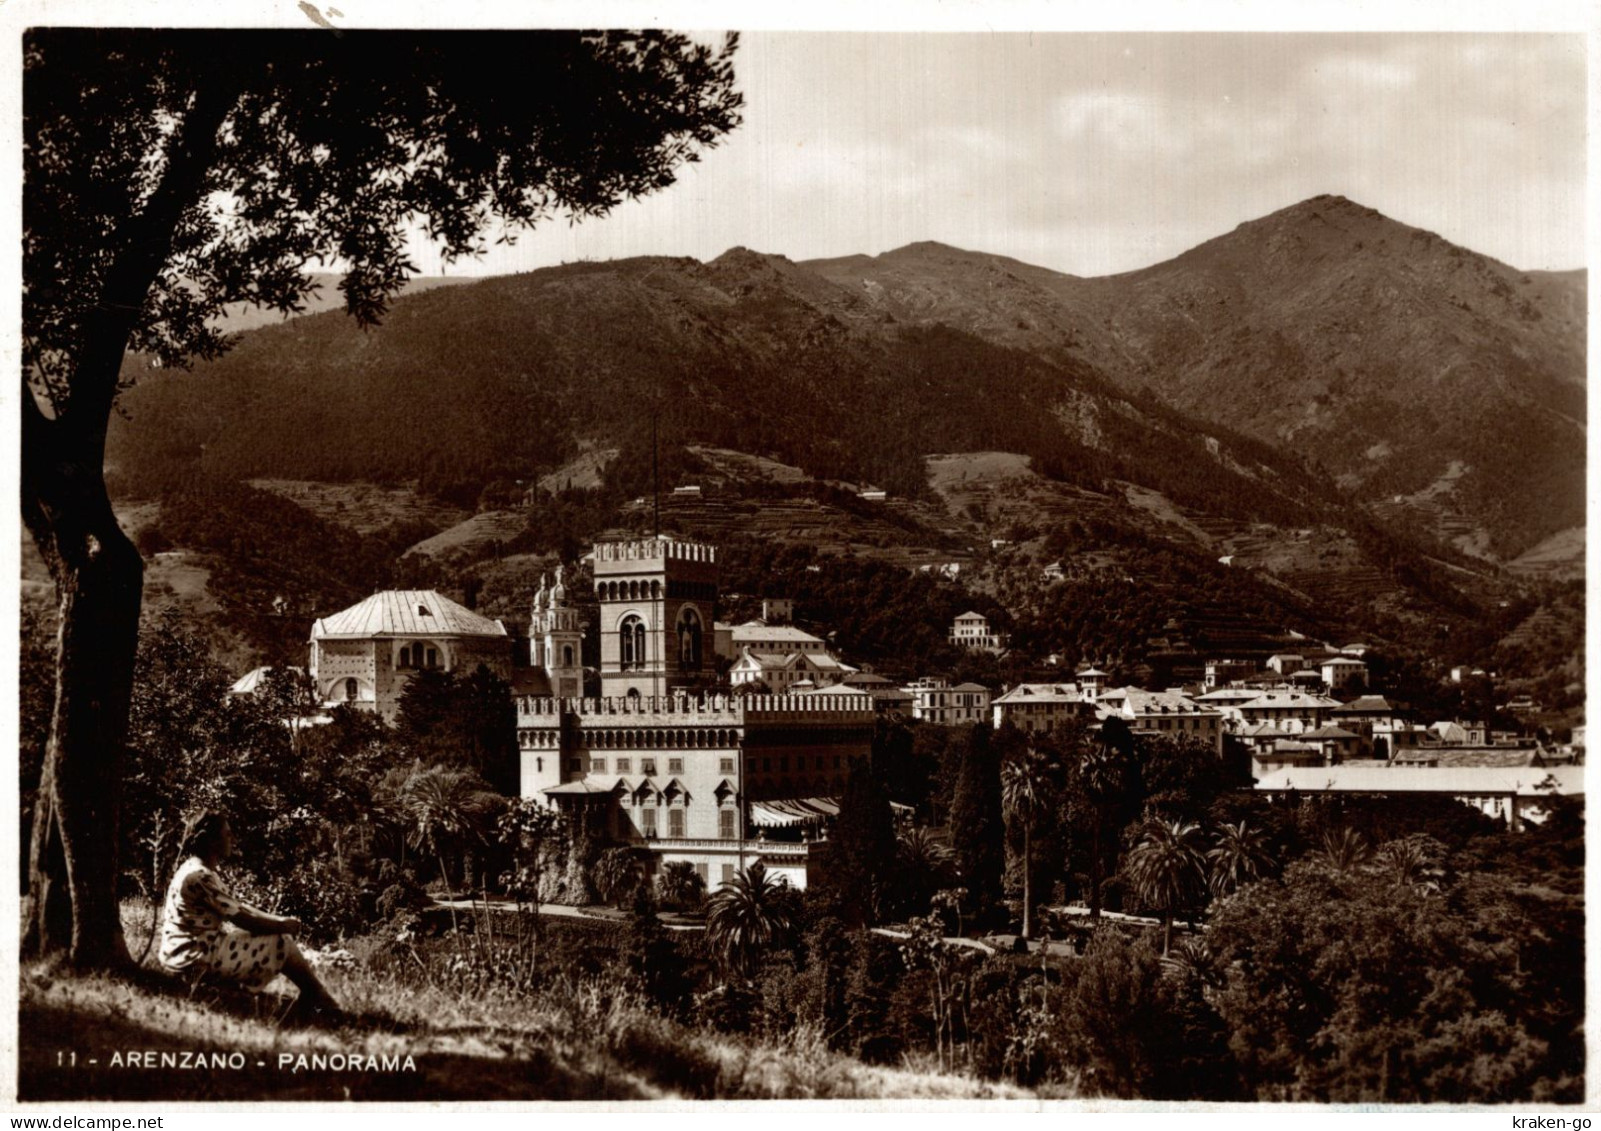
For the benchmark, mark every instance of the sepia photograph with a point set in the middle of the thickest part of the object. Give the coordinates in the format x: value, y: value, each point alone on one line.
x: 934, y: 560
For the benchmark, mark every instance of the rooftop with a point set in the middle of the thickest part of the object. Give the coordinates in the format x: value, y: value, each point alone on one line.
x: 406, y: 612
x: 1043, y: 693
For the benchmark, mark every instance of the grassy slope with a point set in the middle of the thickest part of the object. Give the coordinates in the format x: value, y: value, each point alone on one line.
x: 587, y: 1048
x: 567, y: 1043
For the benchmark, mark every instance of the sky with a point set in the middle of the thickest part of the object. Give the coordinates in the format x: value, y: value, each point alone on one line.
x: 1094, y: 153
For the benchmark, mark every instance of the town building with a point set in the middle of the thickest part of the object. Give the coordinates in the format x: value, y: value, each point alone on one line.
x: 781, y: 672
x: 1291, y: 711
x: 365, y: 655
x: 1286, y: 663
x: 972, y: 631
x: 1162, y: 712
x: 656, y: 604
x: 1227, y: 700
x: 659, y: 762
x: 1041, y: 707
x: 1343, y: 672
x: 1091, y: 681
x: 888, y: 699
x: 1225, y: 673
x: 934, y: 700
x: 766, y: 638
x: 1517, y: 795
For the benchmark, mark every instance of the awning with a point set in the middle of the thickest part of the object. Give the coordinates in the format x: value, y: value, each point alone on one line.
x: 792, y: 811
x: 578, y: 788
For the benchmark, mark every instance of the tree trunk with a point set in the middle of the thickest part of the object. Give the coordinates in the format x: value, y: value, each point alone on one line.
x: 1028, y: 906
x: 98, y: 573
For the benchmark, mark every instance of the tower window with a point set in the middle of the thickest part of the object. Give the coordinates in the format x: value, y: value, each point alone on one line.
x: 352, y: 688
x: 689, y: 640
x: 631, y: 641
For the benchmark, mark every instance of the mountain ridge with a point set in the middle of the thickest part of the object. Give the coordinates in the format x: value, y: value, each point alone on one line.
x: 1377, y: 356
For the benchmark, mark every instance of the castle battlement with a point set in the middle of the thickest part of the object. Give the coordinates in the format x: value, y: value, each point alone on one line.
x: 654, y: 549
x: 716, y: 708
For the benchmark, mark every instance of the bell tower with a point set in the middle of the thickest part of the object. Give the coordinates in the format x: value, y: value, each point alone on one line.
x: 657, y: 602
x: 555, y: 639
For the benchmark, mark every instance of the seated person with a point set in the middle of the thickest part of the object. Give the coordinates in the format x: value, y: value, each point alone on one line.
x: 193, y: 938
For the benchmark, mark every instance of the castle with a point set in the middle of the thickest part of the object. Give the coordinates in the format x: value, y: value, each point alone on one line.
x: 659, y: 760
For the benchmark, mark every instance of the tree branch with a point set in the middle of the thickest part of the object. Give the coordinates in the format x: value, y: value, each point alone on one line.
x: 144, y: 242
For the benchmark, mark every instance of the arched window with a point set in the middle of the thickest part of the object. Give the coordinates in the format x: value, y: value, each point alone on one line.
x: 567, y: 656
x: 631, y: 641
x: 689, y: 636
x: 352, y: 689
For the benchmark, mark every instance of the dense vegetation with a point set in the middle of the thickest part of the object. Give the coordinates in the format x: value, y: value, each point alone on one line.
x: 1346, y: 951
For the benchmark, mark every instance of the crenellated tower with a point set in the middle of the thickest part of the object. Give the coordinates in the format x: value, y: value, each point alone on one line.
x: 658, y: 598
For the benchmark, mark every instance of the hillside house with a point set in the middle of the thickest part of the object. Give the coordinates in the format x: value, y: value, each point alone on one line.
x: 760, y: 636
x: 1225, y: 673
x: 1286, y: 663
x: 1343, y: 672
x: 1226, y: 701
x: 972, y: 631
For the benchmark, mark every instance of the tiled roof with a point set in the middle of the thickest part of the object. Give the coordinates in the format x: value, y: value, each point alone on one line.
x: 1289, y: 699
x: 1042, y: 693
x: 760, y: 633
x: 1370, y: 704
x: 1141, y: 702
x: 406, y: 612
x: 1329, y: 732
x: 1525, y: 781
x: 970, y: 687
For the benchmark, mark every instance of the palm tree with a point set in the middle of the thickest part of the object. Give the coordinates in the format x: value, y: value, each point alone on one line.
x: 1344, y: 852
x: 443, y: 806
x: 924, y: 867
x: 1024, y: 782
x: 1411, y: 862
x: 1166, y: 868
x: 1238, y: 856
x: 1101, y: 779
x: 745, y: 916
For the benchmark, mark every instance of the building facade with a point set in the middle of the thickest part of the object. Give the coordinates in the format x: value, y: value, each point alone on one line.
x: 1039, y: 708
x: 972, y: 631
x: 656, y: 615
x: 1162, y: 712
x: 936, y: 701
x: 715, y: 780
x: 366, y: 654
